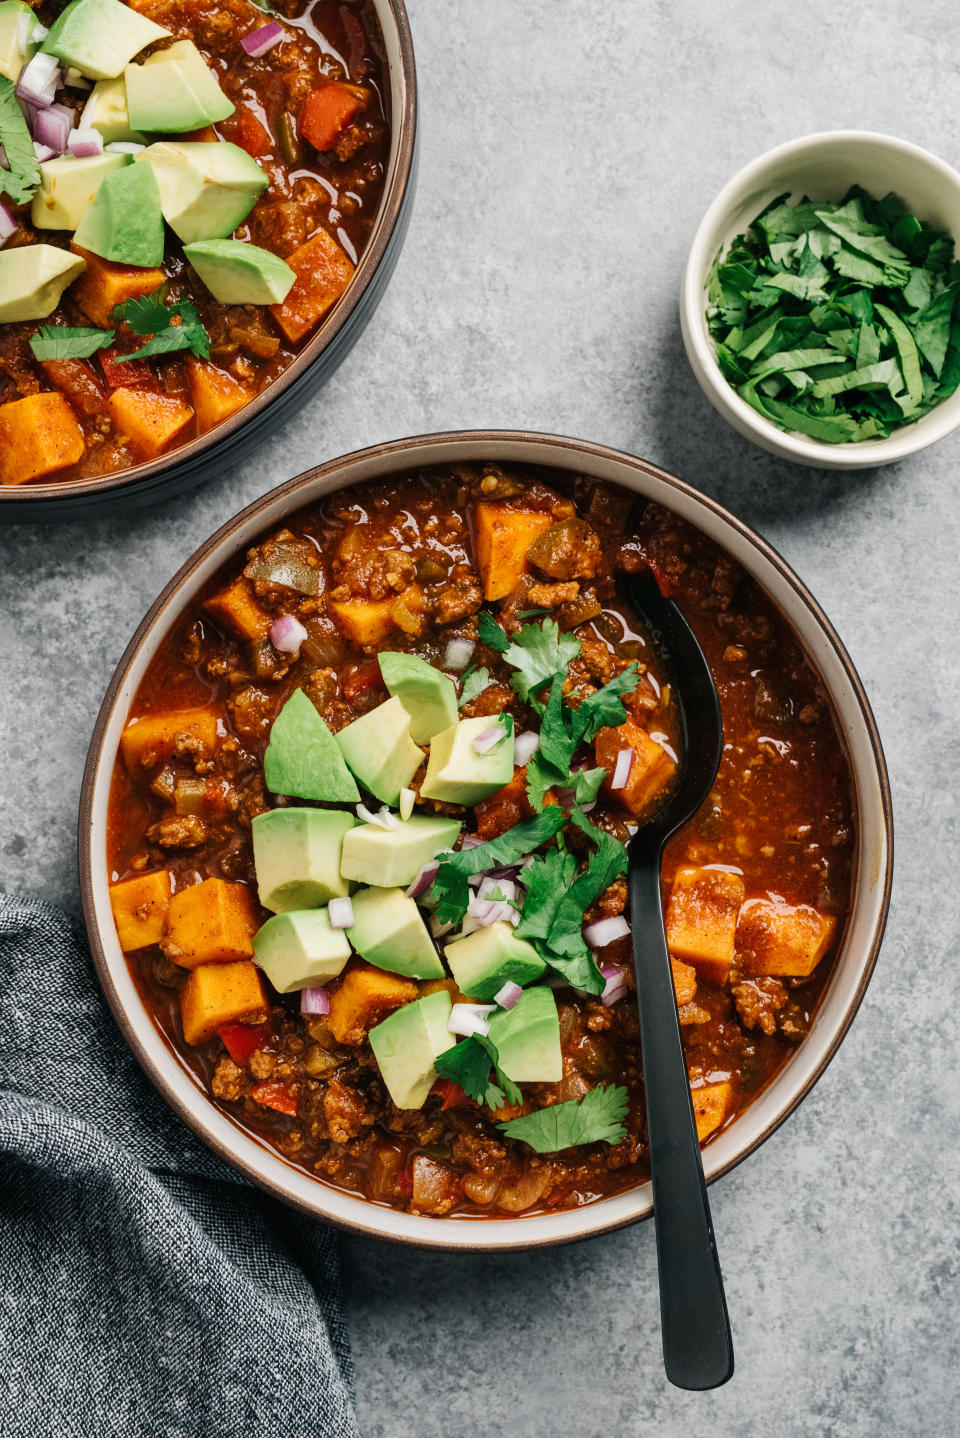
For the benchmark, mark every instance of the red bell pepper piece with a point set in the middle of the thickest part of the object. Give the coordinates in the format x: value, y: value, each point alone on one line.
x: 241, y: 1040
x: 451, y: 1094
x: 251, y: 135
x: 136, y: 374
x: 327, y: 112
x: 277, y: 1096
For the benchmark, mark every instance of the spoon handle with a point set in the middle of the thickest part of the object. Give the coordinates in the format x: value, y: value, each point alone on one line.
x: 695, y: 1328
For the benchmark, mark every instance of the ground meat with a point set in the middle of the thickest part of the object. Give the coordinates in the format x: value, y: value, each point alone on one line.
x: 179, y: 831
x: 495, y: 699
x: 227, y: 1081
x: 348, y: 1111
x: 758, y: 1001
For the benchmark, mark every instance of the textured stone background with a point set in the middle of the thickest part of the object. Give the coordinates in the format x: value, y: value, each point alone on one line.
x: 568, y: 152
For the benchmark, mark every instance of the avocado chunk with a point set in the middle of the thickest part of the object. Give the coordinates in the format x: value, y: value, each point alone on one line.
x: 32, y: 279
x: 106, y: 111
x: 394, y: 857
x: 388, y: 930
x: 302, y: 757
x: 175, y: 90
x: 457, y: 774
x: 67, y: 188
x: 296, y: 853
x: 99, y: 37
x: 379, y: 750
x: 236, y: 273
x: 299, y: 948
x: 528, y: 1038
x: 406, y: 1044
x: 124, y: 222
x: 206, y: 188
x: 12, y: 58
x: 428, y: 696
x: 489, y: 958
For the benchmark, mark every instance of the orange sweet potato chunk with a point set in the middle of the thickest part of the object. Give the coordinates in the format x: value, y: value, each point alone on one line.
x: 364, y: 996
x: 371, y: 621
x: 710, y: 1104
x: 684, y: 981
x: 217, y: 994
x: 151, y: 740
x: 502, y: 536
x: 140, y: 908
x: 210, y: 923
x: 151, y: 422
x: 236, y: 607
x: 215, y: 393
x: 781, y: 939
x: 105, y: 284
x: 323, y: 272
x: 39, y: 434
x: 651, y: 769
x: 702, y: 920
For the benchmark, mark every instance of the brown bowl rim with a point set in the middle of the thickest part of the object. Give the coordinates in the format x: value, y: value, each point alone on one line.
x: 397, y: 449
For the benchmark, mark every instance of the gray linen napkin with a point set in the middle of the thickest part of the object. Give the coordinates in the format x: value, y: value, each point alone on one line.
x: 144, y: 1286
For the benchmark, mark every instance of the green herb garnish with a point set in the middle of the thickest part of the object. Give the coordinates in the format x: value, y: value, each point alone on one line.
x: 22, y: 176
x: 599, y: 1117
x: 474, y: 681
x: 838, y: 321
x: 538, y: 653
x: 450, y: 891
x: 148, y: 315
x: 58, y: 342
x: 563, y: 729
x: 468, y: 1064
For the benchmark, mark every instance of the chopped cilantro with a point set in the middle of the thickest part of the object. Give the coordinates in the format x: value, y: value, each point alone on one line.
x: 537, y: 653
x: 474, y: 682
x: 563, y: 729
x: 57, y: 342
x: 22, y: 175
x: 450, y: 891
x: 599, y: 1117
x: 149, y: 315
x: 469, y: 1063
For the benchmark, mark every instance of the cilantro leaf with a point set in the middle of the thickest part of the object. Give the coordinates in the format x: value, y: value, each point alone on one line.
x: 57, y: 342
x: 538, y: 653
x: 22, y: 174
x: 490, y: 632
x: 144, y: 314
x: 473, y: 683
x: 468, y: 1064
x: 149, y: 315
x: 450, y: 891
x: 586, y: 784
x: 563, y: 729
x: 599, y: 1117
x: 603, y: 709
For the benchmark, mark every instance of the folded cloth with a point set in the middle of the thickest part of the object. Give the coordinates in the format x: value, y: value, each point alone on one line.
x: 145, y: 1287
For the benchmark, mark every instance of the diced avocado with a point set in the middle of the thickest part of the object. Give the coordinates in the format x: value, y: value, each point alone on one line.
x: 206, y: 188
x: 299, y: 948
x: 236, y: 273
x: 12, y: 58
x: 528, y: 1037
x: 106, y: 111
x: 406, y: 1044
x: 489, y: 958
x: 32, y: 279
x: 302, y: 757
x: 99, y: 37
x: 296, y: 853
x: 124, y: 222
x: 428, y: 696
x: 388, y: 857
x: 379, y: 750
x: 67, y: 188
x: 175, y: 90
x: 457, y: 773
x: 388, y: 930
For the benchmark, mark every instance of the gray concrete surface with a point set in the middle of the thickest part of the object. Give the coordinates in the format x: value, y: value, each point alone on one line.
x: 568, y: 152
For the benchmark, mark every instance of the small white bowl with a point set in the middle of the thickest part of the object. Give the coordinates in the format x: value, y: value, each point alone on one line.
x: 823, y: 167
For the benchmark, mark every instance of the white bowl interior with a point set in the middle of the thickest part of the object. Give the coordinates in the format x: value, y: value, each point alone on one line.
x: 851, y: 968
x: 822, y: 167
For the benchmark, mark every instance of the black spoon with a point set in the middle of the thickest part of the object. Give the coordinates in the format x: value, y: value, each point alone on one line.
x: 695, y: 1328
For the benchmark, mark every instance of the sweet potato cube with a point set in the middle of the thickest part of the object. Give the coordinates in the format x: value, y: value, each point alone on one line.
x: 210, y: 923
x: 39, y: 434
x: 650, y: 770
x: 323, y: 273
x: 781, y: 939
x: 684, y: 981
x: 140, y: 908
x: 702, y: 920
x: 151, y: 422
x: 105, y: 284
x: 710, y: 1104
x: 237, y: 608
x: 365, y: 995
x: 215, y: 393
x: 77, y: 381
x: 503, y: 535
x: 217, y: 994
x: 154, y: 738
x: 370, y: 621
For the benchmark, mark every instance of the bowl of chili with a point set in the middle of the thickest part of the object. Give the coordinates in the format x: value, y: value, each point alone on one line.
x: 148, y: 377
x: 487, y: 561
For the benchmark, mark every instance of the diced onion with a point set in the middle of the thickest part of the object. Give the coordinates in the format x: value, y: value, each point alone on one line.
x: 614, y: 988
x: 52, y: 125
x: 23, y: 30
x: 471, y: 841
x: 458, y: 653
x: 490, y: 884
x: 75, y: 79
x: 621, y: 770
x: 469, y: 1019
x: 491, y: 911
x: 125, y: 147
x: 39, y: 33
x: 525, y: 746
x: 508, y: 995
x: 287, y: 634
x: 488, y: 739
x: 8, y: 225
x: 340, y: 913
x: 612, y: 996
x: 408, y: 798
x: 43, y: 152
x: 84, y: 143
x: 438, y: 929
x: 606, y: 931
x: 39, y: 79
x: 423, y: 880
x: 259, y: 41
x: 382, y: 818
x: 314, y: 1001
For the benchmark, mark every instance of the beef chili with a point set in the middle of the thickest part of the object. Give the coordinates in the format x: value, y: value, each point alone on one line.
x: 434, y: 1008
x: 203, y: 209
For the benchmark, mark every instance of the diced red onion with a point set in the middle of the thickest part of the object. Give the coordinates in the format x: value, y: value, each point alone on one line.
x: 8, y: 225
x: 612, y: 996
x: 491, y: 911
x: 490, y: 884
x: 525, y: 746
x: 75, y: 80
x: 84, y: 143
x: 485, y: 742
x: 606, y: 931
x: 39, y: 79
x: 125, y: 147
x: 382, y: 818
x: 52, y: 125
x: 621, y: 770
x: 610, y: 971
x: 287, y: 634
x: 423, y: 880
x: 471, y: 841
x: 43, y: 152
x: 408, y: 797
x: 314, y: 1001
x: 458, y: 653
x: 615, y: 987
x: 258, y: 42
x: 340, y: 913
x: 469, y: 1019
x: 508, y: 995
